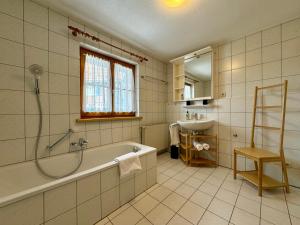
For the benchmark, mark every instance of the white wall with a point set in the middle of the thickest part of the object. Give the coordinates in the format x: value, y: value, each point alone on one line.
x: 266, y: 57
x: 31, y: 33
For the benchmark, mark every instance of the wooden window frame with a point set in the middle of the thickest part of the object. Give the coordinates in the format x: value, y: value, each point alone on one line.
x: 113, y: 61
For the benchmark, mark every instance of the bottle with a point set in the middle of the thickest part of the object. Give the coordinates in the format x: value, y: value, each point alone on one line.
x: 187, y: 115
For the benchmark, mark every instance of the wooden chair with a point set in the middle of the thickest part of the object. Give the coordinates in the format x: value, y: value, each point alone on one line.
x: 185, y: 147
x: 261, y: 156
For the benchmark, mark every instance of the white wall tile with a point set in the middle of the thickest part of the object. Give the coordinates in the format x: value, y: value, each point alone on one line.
x: 253, y: 57
x: 35, y: 13
x: 238, y: 61
x: 68, y: 218
x: 11, y: 53
x: 271, y: 53
x: 58, y: 104
x: 109, y: 178
x: 21, y: 212
x: 31, y: 106
x: 58, y: 23
x: 291, y: 66
x: 271, y: 36
x: 12, y: 127
x: 58, y: 83
x: 271, y: 69
x: 89, y: 212
x: 36, y: 56
x: 11, y: 28
x: 12, y: 7
x: 291, y: 29
x: 65, y: 195
x: 110, y: 201
x: 238, y: 46
x: 291, y: 48
x: 58, y: 43
x: 238, y: 75
x: 11, y: 78
x: 12, y: 102
x: 225, y: 51
x: 88, y: 188
x: 12, y: 151
x: 32, y: 125
x: 253, y: 73
x: 35, y: 36
x: 253, y: 41
x: 58, y: 64
x: 59, y: 124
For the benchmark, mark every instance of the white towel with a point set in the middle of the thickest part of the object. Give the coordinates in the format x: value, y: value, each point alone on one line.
x: 206, y: 146
x: 174, y: 134
x: 128, y: 163
x: 198, y: 145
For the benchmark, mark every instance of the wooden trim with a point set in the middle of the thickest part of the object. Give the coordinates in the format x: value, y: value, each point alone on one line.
x: 271, y: 86
x: 267, y: 127
x: 109, y: 119
x: 86, y: 115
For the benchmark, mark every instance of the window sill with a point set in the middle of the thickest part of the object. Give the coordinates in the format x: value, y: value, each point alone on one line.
x: 109, y: 119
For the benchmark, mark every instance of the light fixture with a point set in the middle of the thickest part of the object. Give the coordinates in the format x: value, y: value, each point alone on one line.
x: 174, y: 3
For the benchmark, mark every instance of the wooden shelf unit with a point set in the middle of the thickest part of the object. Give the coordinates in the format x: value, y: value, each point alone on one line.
x: 190, y: 155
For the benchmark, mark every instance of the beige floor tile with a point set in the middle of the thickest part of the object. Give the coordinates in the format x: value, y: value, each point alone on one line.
x: 294, y: 209
x: 212, y: 219
x: 171, y: 184
x: 214, y: 180
x: 191, y: 212
x: 293, y: 196
x: 129, y: 217
x: 221, y: 208
x: 201, y: 198
x: 232, y: 186
x: 182, y: 177
x: 174, y: 201
x: 146, y: 204
x: 250, y: 191
x: 152, y: 188
x: 137, y: 198
x: 160, y: 215
x: 170, y: 172
x: 226, y: 196
x: 200, y: 176
x: 208, y: 188
x: 275, y: 199
x: 144, y: 222
x: 195, y: 183
x: 241, y: 217
x: 185, y: 190
x: 263, y: 222
x: 161, y: 178
x: 103, y: 221
x: 295, y: 220
x: 248, y: 205
x: 275, y: 216
x: 160, y: 193
x: 178, y: 220
x: 118, y: 211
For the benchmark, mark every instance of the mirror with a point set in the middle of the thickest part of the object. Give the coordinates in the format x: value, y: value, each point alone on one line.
x: 198, y: 76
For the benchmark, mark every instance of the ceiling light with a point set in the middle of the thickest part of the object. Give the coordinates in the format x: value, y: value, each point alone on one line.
x: 174, y: 3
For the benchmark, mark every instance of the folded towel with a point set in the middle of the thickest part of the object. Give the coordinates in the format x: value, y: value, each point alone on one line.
x: 206, y: 146
x: 198, y: 145
x: 174, y: 136
x: 128, y: 163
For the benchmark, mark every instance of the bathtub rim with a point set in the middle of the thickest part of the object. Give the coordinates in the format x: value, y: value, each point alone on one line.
x: 13, y: 198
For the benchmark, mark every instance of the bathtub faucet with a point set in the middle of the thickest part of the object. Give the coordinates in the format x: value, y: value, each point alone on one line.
x: 82, y: 143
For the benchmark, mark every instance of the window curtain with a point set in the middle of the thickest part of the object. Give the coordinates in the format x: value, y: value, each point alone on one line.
x: 124, y: 97
x: 97, y: 85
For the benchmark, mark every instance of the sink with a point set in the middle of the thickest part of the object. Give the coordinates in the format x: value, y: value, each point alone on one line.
x: 196, y: 124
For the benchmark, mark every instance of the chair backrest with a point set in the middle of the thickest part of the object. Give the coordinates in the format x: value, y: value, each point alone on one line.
x: 282, y: 107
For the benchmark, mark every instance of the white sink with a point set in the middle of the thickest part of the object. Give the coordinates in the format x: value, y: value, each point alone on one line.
x: 196, y: 124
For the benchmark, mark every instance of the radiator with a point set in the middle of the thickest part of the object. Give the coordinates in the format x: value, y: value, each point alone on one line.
x: 156, y: 135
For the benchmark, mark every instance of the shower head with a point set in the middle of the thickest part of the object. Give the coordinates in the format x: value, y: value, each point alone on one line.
x: 36, y: 70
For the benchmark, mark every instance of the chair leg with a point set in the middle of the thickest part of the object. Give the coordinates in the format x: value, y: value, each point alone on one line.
x: 256, y: 166
x: 260, y: 175
x: 286, y: 179
x: 234, y: 165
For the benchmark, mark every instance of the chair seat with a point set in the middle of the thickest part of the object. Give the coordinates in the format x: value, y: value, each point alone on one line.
x: 258, y: 154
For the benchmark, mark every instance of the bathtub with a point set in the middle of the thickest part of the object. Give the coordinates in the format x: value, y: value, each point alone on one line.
x: 91, y: 193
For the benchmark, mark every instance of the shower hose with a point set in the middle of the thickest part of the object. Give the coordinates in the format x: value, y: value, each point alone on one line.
x: 36, y: 147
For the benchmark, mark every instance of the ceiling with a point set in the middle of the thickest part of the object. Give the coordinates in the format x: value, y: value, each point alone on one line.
x: 171, y: 32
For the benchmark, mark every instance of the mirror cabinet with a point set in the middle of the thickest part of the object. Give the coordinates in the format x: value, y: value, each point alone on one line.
x: 193, y: 76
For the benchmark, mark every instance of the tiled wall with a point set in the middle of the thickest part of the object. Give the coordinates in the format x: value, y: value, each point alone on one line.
x: 263, y: 58
x: 33, y: 34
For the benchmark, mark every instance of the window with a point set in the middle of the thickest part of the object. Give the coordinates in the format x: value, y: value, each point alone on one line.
x: 107, y: 86
x: 188, y: 91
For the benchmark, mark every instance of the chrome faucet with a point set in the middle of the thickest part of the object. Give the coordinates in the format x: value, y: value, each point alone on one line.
x: 82, y: 143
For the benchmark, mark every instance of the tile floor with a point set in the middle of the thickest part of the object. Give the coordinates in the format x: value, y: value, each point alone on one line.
x: 205, y: 196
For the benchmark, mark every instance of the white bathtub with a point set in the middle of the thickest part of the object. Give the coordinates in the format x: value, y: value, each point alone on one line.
x: 23, y: 181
